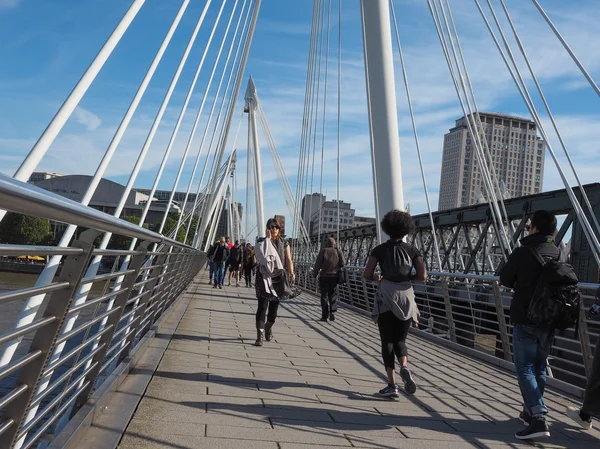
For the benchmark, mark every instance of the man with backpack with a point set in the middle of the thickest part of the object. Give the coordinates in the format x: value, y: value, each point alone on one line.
x: 219, y: 259
x: 209, y: 255
x: 545, y: 298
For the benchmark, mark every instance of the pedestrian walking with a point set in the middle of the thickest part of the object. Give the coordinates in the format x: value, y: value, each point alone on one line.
x: 532, y: 339
x: 274, y: 263
x: 395, y: 308
x: 234, y: 262
x: 249, y: 263
x: 328, y: 265
x: 591, y: 399
x: 210, y: 254
x: 219, y: 259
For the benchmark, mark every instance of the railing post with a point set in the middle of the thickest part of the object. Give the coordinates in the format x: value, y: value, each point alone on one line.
x: 502, y: 327
x: 448, y: 307
x: 146, y: 300
x: 586, y: 343
x: 44, y: 339
x: 112, y: 322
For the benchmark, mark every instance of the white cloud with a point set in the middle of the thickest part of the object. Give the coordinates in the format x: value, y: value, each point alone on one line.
x: 87, y: 118
x: 6, y: 4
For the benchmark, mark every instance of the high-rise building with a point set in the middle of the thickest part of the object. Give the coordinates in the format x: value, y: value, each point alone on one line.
x: 311, y: 204
x: 517, y: 155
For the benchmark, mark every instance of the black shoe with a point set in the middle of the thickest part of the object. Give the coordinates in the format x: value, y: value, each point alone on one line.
x: 332, y: 317
x: 536, y: 429
x: 409, y: 384
x: 269, y: 331
x: 525, y: 417
x: 260, y: 336
x: 323, y: 318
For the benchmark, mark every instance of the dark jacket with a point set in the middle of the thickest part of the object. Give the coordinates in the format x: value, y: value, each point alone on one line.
x: 249, y: 258
x: 221, y: 253
x: 212, y: 250
x: 235, y: 255
x: 329, y: 261
x: 522, y: 270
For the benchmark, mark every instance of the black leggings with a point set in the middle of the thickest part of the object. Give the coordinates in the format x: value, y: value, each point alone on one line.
x: 393, y: 333
x: 264, y: 306
x: 248, y: 275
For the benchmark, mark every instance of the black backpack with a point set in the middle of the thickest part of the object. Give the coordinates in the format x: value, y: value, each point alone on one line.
x: 556, y: 301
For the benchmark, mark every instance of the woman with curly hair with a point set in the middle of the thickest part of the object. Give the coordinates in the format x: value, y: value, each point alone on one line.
x: 395, y: 308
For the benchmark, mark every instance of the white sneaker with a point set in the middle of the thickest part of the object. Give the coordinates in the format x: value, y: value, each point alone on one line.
x: 573, y: 413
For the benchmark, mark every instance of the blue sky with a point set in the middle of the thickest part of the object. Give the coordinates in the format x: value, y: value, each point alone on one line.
x: 46, y: 46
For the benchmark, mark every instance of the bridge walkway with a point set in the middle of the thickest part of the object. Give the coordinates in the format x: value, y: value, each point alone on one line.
x: 312, y: 387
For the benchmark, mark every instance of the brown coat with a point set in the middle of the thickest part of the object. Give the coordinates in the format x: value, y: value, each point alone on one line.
x: 329, y: 261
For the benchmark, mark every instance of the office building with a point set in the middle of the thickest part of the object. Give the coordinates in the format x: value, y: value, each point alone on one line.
x: 516, y: 152
x: 364, y: 221
x: 325, y: 220
x: 179, y: 197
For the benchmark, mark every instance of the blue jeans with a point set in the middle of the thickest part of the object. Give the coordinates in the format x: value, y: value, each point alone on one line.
x: 219, y: 269
x: 531, y: 347
x: 211, y: 267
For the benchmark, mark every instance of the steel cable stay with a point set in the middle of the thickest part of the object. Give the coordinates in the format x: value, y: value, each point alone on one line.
x: 313, y: 131
x: 464, y: 79
x: 479, y: 125
x: 323, y: 130
x: 524, y: 92
x: 562, y: 40
x: 311, y: 83
x: 230, y: 112
x: 43, y: 144
x: 92, y: 269
x: 302, y: 154
x: 549, y: 112
x: 52, y: 266
x: 230, y: 101
x: 189, y: 144
x: 465, y: 104
x: 339, y: 114
x: 415, y: 133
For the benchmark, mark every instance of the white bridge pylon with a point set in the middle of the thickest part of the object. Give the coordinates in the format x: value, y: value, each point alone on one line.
x: 254, y: 110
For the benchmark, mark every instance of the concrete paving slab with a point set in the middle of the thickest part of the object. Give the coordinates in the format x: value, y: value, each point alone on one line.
x: 313, y: 386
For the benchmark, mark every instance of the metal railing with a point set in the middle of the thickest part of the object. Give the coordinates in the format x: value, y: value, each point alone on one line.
x: 473, y: 312
x: 56, y: 367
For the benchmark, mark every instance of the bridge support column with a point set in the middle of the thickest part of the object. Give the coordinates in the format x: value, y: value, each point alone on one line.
x: 383, y: 115
x: 253, y: 146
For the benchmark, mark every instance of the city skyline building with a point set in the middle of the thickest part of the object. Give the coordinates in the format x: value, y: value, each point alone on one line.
x: 517, y: 155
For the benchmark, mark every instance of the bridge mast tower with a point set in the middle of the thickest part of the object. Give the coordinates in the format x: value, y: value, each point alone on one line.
x: 383, y: 115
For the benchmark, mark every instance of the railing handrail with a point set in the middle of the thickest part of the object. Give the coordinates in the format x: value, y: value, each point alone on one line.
x: 27, y: 199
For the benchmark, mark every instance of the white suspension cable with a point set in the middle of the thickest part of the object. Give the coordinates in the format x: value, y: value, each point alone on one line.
x: 51, y: 132
x: 480, y: 132
x: 339, y: 114
x: 521, y: 86
x: 416, y: 135
x: 550, y: 114
x: 230, y: 100
x: 323, y: 131
x: 236, y: 91
x: 33, y: 303
x: 189, y: 144
x: 569, y: 50
x: 468, y: 112
x: 94, y: 265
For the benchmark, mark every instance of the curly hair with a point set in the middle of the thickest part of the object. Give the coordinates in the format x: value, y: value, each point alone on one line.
x: 397, y: 224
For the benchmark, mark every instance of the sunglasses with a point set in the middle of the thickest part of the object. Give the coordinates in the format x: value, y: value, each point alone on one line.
x: 274, y: 227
